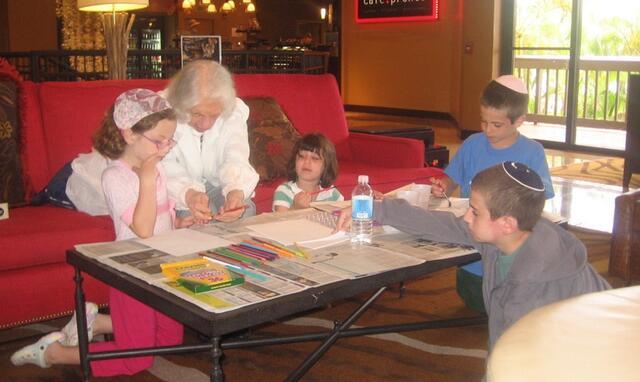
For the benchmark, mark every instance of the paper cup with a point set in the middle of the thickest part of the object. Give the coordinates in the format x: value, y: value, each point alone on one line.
x: 408, y: 195
x: 423, y: 194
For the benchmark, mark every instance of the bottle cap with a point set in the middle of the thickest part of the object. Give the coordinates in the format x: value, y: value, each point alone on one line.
x: 363, y: 178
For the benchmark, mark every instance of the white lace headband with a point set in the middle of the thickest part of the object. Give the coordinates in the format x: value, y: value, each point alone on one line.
x: 133, y: 105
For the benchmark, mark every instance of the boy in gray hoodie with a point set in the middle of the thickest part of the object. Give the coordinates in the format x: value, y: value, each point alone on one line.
x: 528, y: 261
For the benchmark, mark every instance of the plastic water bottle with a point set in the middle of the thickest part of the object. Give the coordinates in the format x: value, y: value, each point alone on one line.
x: 362, y: 212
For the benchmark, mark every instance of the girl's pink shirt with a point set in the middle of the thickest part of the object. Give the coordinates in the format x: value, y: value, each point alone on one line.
x: 121, y: 187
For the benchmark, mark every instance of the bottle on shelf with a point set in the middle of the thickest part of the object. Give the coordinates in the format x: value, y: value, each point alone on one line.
x: 362, y: 212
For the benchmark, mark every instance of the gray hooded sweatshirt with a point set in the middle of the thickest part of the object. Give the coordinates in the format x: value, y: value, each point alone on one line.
x: 551, y: 265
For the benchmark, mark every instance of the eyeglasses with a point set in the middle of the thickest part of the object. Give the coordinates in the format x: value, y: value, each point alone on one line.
x: 169, y: 142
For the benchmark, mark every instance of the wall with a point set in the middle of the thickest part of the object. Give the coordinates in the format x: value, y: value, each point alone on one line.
x: 481, y: 31
x: 420, y: 65
x: 29, y: 30
x: 279, y: 18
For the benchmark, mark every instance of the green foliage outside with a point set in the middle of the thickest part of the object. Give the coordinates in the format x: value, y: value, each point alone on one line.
x: 611, y: 31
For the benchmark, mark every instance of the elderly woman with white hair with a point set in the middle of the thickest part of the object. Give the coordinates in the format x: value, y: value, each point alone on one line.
x: 209, y: 167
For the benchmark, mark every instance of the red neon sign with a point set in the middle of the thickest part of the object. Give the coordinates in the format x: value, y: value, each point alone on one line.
x: 384, y: 11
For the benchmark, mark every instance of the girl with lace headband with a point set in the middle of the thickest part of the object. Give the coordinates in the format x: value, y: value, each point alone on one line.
x: 136, y: 133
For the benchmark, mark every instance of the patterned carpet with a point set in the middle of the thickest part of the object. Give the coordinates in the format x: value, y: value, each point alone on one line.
x: 606, y: 171
x: 454, y: 354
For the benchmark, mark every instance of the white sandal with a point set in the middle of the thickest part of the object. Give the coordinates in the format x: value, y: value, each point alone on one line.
x: 70, y: 330
x: 34, y: 353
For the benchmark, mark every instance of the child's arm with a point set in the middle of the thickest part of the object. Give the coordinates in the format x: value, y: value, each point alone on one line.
x: 440, y: 186
x: 302, y: 199
x: 282, y: 198
x: 144, y: 214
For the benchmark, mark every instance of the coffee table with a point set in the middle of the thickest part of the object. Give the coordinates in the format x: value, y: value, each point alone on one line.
x: 214, y: 325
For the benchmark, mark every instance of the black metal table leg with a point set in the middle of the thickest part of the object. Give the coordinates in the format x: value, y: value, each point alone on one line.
x: 216, y: 354
x: 81, y: 322
x: 324, y: 347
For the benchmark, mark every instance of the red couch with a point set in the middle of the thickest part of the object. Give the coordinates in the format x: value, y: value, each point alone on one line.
x: 57, y: 120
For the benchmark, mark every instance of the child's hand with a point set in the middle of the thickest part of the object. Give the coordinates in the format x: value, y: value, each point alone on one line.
x: 302, y: 200
x: 344, y: 220
x: 184, y: 222
x: 147, y: 170
x: 439, y: 186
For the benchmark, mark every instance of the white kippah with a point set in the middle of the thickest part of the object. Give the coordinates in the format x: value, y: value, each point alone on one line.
x: 513, y: 83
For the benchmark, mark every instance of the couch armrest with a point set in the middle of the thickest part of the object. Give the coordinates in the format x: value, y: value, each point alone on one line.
x: 624, y: 261
x: 385, y: 151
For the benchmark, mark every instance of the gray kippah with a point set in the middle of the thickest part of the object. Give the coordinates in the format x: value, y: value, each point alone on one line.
x: 523, y: 175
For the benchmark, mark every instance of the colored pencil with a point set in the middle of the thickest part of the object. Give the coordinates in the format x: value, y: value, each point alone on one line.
x: 284, y: 251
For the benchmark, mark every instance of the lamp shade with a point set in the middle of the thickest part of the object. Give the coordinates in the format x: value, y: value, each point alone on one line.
x: 111, y: 5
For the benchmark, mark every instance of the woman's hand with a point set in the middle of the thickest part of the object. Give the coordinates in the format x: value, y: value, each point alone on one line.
x: 198, y: 203
x: 233, y: 207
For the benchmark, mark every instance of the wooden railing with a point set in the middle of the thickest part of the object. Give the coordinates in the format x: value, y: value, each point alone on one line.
x: 602, y: 89
x: 77, y: 65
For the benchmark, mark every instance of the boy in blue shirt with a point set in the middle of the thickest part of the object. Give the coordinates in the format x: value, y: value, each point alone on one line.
x: 503, y: 107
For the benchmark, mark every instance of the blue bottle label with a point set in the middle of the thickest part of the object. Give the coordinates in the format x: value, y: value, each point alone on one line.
x: 362, y: 207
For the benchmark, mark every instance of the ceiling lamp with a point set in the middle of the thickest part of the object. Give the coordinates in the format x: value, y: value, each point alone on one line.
x: 117, y: 26
x: 232, y: 4
x: 226, y: 8
x: 212, y: 8
x: 250, y: 8
x: 111, y: 5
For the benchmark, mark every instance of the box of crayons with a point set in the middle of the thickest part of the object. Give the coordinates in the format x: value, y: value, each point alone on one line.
x: 200, y: 275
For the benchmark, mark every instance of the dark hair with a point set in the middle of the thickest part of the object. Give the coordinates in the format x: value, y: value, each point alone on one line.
x: 498, y: 96
x: 506, y: 197
x: 319, y: 144
x: 108, y: 139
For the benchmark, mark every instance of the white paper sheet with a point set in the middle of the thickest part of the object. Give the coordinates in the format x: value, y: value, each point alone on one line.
x: 182, y: 242
x: 289, y: 232
x: 333, y: 239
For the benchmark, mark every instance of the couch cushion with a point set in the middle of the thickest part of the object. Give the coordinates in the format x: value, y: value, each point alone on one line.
x: 71, y: 113
x: 41, y: 235
x: 11, y: 184
x: 271, y: 137
x: 311, y: 101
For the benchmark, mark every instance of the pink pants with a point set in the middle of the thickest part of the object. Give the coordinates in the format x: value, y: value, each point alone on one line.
x: 135, y: 325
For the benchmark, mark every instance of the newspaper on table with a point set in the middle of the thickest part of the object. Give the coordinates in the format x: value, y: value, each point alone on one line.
x: 420, y: 248
x: 325, y: 264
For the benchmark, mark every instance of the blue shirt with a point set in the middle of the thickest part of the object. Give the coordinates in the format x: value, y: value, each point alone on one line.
x: 477, y: 154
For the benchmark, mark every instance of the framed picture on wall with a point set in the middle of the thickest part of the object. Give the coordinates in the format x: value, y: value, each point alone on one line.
x: 381, y: 11
x: 200, y: 48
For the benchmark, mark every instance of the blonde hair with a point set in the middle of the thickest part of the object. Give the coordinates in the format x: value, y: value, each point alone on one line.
x: 200, y: 80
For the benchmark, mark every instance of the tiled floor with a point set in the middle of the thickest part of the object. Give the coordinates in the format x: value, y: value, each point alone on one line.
x: 585, y: 204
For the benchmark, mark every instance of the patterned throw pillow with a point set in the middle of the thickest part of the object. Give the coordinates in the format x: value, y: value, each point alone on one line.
x: 11, y: 185
x: 271, y: 137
